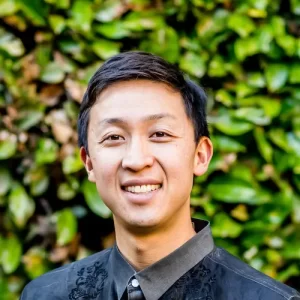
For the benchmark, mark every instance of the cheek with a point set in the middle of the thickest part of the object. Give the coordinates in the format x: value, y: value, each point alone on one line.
x: 177, y: 161
x: 105, y: 165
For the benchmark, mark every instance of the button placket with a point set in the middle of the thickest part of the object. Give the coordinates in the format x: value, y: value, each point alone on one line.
x: 134, y: 291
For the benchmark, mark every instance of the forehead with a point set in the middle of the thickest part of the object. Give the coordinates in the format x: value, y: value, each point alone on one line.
x: 138, y: 98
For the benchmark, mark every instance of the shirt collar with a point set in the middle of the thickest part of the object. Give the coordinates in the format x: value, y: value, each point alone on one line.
x: 156, y: 279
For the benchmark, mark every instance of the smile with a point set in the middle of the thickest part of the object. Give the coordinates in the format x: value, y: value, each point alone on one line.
x: 138, y: 189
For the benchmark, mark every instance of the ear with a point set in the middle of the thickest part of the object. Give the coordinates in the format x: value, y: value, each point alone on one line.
x: 88, y: 164
x: 203, y: 155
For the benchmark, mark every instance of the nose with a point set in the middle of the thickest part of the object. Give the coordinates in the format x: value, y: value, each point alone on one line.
x: 138, y: 156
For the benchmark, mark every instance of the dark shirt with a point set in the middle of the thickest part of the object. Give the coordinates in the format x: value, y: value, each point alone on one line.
x: 196, y: 271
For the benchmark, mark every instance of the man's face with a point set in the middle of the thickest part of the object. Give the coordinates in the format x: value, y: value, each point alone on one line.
x: 142, y: 153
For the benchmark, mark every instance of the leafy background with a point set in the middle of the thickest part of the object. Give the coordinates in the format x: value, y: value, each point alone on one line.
x: 246, y: 55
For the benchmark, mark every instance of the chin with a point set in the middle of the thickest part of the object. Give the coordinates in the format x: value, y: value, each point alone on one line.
x: 142, y: 223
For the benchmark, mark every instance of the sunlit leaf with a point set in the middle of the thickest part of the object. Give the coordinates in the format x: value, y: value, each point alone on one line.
x: 11, y: 44
x: 35, y: 262
x: 72, y: 163
x: 223, y: 226
x: 232, y: 190
x: 8, y: 7
x: 193, y: 64
x: 82, y: 15
x: 229, y: 125
x: 52, y: 73
x: 241, y: 24
x: 93, y: 200
x: 264, y: 146
x: 5, y: 181
x: 105, y: 49
x: 66, y: 226
x: 276, y: 76
x: 20, y: 205
x: 46, y: 152
x: 8, y: 147
x: 11, y: 253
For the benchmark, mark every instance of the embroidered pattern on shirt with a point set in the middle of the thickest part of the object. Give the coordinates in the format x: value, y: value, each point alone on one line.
x: 196, y: 284
x: 89, y: 283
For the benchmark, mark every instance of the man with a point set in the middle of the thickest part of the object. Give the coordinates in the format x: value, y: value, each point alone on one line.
x: 143, y: 137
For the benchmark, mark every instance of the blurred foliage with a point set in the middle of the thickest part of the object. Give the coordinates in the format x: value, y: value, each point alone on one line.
x: 245, y: 53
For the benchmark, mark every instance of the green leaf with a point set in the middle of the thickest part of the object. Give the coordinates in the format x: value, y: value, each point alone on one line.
x: 232, y: 190
x: 38, y: 180
x: 294, y: 77
x: 11, y: 44
x: 57, y: 23
x: 263, y: 145
x: 11, y: 254
x: 291, y: 251
x: 105, y: 49
x: 35, y: 262
x: 35, y: 10
x: 82, y: 15
x: 143, y: 20
x: 164, y: 43
x: 217, y: 67
x: 241, y: 24
x: 292, y: 271
x: 72, y: 163
x: 287, y: 43
x: 278, y: 25
x: 5, y: 181
x: 295, y: 7
x: 246, y: 47
x: 225, y: 97
x: 29, y: 118
x: 113, y: 30
x: 276, y: 76
x: 278, y: 137
x: 66, y: 226
x: 59, y: 3
x: 52, y: 73
x: 271, y: 106
x: 8, y: 8
x: 229, y: 125
x: 257, y: 80
x: 65, y: 191
x: 224, y: 143
x: 109, y: 11
x: 8, y: 147
x: 223, y: 226
x: 252, y: 114
x: 46, y: 152
x: 20, y: 205
x: 193, y: 64
x: 93, y: 200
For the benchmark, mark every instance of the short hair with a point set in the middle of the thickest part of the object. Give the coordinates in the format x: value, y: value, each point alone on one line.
x: 135, y: 65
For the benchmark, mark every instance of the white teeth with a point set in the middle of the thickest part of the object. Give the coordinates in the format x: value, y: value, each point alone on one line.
x: 142, y: 188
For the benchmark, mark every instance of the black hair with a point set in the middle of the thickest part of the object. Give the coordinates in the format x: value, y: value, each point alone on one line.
x: 142, y: 65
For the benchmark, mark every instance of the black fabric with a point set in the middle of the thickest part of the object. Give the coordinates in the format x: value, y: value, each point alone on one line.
x: 196, y: 271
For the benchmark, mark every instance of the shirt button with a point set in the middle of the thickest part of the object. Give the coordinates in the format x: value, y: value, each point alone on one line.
x: 135, y: 283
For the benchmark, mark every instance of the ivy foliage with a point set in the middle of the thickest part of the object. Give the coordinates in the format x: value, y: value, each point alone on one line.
x: 245, y: 54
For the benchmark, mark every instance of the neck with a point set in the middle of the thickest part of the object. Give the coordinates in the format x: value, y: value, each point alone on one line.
x: 142, y: 249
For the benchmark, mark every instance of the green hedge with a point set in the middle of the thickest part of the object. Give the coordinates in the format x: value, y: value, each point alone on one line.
x: 245, y: 54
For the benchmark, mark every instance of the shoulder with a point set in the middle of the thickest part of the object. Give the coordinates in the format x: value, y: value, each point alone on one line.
x: 249, y: 280
x: 55, y: 283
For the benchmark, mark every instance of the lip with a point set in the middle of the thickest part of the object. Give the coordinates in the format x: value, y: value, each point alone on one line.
x: 141, y: 181
x: 140, y: 198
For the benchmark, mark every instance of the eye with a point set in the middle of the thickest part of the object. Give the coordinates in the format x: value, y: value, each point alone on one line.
x: 159, y: 134
x: 114, y: 137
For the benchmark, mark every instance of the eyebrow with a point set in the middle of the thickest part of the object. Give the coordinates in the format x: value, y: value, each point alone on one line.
x: 122, y: 121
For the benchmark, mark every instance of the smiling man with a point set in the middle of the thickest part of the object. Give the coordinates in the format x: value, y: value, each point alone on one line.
x: 143, y: 137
